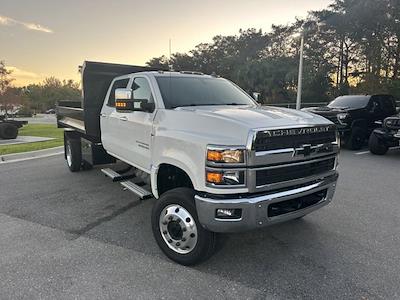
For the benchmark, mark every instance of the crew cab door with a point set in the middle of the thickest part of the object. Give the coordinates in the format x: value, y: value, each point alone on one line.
x: 109, y: 118
x: 135, y: 128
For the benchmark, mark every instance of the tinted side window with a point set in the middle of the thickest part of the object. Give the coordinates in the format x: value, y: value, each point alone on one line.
x: 141, y: 89
x: 389, y: 105
x: 118, y: 84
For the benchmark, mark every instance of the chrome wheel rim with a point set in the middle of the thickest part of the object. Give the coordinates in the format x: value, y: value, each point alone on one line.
x: 68, y: 154
x: 178, y: 229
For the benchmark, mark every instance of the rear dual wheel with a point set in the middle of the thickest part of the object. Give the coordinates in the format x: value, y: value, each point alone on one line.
x: 177, y: 229
x: 73, y: 154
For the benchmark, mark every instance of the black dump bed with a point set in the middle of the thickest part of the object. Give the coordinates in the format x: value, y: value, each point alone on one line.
x: 84, y: 115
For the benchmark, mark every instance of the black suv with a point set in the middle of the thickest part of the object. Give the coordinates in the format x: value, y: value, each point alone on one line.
x: 356, y: 116
x: 387, y: 136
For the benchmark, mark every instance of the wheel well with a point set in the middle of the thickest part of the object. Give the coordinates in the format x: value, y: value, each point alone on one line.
x: 170, y: 177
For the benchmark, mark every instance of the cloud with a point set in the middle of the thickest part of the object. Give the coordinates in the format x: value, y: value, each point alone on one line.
x: 7, y: 21
x: 23, y: 77
x: 18, y: 73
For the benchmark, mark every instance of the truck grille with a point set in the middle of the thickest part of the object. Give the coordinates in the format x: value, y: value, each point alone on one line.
x: 292, y: 172
x: 392, y: 123
x: 293, y: 138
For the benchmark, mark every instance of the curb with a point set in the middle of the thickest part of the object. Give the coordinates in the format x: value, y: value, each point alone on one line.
x: 14, y: 157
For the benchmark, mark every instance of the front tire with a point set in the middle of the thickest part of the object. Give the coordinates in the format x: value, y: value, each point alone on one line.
x: 376, y: 146
x: 356, y: 139
x: 177, y: 230
x: 73, y: 154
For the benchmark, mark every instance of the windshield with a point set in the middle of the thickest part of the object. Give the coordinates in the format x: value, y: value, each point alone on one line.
x: 197, y: 91
x: 350, y: 102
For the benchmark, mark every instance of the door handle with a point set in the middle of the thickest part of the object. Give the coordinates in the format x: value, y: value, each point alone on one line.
x: 103, y: 115
x: 123, y: 118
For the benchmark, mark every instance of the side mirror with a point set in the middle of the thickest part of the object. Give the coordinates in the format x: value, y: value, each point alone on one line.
x: 123, y: 94
x: 124, y: 102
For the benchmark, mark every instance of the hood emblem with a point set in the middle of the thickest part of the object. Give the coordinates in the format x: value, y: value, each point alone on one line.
x: 307, y: 150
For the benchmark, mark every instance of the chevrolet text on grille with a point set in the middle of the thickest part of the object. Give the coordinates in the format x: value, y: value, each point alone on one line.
x: 296, y: 131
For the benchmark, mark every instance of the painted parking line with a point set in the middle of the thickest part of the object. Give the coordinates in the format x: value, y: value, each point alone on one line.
x: 362, y: 152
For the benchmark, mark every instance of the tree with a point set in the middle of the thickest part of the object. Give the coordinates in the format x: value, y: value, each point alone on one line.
x: 352, y: 46
x: 9, y: 97
x: 45, y: 95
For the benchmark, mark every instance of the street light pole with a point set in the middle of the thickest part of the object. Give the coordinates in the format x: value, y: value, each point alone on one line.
x: 300, y: 77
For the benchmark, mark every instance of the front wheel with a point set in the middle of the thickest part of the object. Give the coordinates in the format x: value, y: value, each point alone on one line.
x: 376, y: 146
x: 177, y: 229
x: 356, y: 139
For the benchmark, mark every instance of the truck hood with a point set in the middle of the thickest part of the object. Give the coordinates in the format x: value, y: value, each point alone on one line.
x: 258, y: 117
x: 226, y: 125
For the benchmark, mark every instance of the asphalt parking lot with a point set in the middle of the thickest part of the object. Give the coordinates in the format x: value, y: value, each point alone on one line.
x: 65, y: 235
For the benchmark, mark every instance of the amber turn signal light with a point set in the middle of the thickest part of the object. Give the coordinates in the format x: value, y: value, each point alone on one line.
x: 213, y: 155
x: 214, y: 177
x: 120, y: 104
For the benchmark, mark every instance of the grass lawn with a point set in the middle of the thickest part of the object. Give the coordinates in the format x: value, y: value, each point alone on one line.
x: 42, y: 130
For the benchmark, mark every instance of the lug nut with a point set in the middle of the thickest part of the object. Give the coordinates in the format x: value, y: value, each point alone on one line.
x: 184, y: 229
x: 183, y: 239
x: 192, y: 235
x: 177, y: 210
x: 178, y: 244
x: 188, y: 220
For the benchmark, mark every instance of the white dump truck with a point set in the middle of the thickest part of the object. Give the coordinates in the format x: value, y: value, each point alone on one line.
x: 215, y: 160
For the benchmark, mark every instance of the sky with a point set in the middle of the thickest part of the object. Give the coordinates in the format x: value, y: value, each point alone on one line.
x: 42, y: 38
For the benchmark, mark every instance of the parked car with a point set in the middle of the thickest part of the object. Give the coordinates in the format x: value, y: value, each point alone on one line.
x: 385, y: 137
x: 356, y: 116
x: 214, y: 159
x: 9, y: 128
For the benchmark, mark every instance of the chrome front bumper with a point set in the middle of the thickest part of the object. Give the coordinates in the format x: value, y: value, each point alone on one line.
x: 255, y: 208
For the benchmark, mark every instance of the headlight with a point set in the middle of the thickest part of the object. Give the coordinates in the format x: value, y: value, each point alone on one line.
x: 225, y: 177
x: 342, y: 117
x: 220, y: 155
x: 392, y: 123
